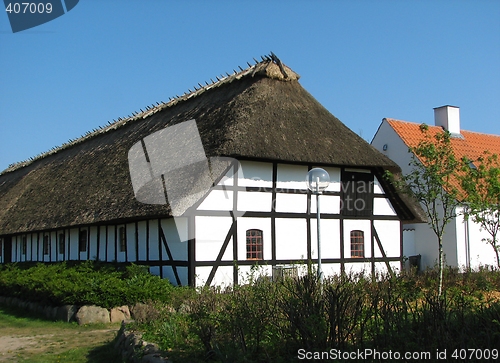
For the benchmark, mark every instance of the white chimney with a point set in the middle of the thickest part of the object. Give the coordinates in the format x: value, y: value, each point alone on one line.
x: 448, y: 117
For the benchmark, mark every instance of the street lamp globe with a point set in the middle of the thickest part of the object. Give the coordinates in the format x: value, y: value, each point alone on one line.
x: 317, y: 180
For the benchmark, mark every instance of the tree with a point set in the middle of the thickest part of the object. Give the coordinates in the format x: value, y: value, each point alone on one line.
x: 433, y: 182
x: 481, y: 183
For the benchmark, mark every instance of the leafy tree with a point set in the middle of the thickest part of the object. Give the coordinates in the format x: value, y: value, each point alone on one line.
x: 481, y: 182
x: 433, y: 182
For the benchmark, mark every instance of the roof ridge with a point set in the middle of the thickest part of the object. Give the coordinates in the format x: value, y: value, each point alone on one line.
x: 480, y: 133
x: 388, y: 119
x: 260, y: 67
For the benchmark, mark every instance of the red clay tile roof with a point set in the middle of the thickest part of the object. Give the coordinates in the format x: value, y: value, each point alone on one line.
x: 472, y: 145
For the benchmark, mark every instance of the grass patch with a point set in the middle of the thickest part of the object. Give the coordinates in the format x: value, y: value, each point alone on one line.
x: 27, y: 338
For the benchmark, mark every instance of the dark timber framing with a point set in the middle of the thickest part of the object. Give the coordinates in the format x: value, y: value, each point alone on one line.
x: 165, y: 256
x: 273, y: 214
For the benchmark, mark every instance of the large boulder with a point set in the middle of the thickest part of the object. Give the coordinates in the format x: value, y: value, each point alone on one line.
x: 92, y: 314
x: 119, y: 314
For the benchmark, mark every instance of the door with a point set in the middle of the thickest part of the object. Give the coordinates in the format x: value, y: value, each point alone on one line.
x: 7, y: 249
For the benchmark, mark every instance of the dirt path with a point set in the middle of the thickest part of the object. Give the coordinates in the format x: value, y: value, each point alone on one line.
x: 24, y: 339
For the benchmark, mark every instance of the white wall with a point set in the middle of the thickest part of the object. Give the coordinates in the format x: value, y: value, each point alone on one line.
x: 409, y: 242
x: 210, y: 235
x: 383, y: 207
x: 176, y: 233
x: 142, y: 229
x: 291, y: 177
x: 255, y: 201
x: 328, y: 204
x: 396, y: 148
x: 73, y: 249
x: 218, y: 200
x: 330, y: 241
x: 93, y: 252
x: 131, y: 254
x: 223, y: 275
x: 291, y: 239
x: 390, y: 238
x: 335, y: 184
x: 255, y: 174
x: 293, y: 203
x: 471, y: 244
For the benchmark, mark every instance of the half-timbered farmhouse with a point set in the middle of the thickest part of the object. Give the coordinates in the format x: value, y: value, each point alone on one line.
x: 78, y: 202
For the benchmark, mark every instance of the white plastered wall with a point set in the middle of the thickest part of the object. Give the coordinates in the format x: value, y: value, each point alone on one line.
x: 210, y: 235
x: 472, y: 247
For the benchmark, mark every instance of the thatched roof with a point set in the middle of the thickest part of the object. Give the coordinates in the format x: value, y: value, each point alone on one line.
x: 261, y: 112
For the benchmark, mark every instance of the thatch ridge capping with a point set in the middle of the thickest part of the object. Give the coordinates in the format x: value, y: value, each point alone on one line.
x: 270, y: 66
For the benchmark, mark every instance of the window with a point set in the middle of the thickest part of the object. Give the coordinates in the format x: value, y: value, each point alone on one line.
x: 122, y: 239
x: 254, y: 244
x: 46, y: 244
x: 24, y: 245
x: 357, y: 244
x: 82, y: 242
x: 62, y: 244
x: 357, y: 191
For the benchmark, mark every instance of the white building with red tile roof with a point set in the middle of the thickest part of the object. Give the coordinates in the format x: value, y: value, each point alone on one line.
x: 462, y: 245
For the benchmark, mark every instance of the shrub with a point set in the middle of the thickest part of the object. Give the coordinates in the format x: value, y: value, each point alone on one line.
x: 84, y: 283
x: 268, y: 321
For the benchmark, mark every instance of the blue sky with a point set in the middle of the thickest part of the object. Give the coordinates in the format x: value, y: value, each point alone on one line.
x: 363, y: 60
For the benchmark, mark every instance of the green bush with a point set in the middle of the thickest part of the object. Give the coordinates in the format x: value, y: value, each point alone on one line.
x: 267, y: 321
x: 86, y: 283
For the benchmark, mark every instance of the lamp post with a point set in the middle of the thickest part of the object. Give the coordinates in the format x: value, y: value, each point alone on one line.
x: 317, y: 181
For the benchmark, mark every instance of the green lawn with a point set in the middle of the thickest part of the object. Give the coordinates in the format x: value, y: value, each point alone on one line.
x: 25, y: 338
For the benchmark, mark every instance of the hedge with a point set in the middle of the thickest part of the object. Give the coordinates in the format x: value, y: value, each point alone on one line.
x: 83, y: 283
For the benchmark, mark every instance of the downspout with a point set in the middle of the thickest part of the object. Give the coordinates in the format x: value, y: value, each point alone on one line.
x: 467, y: 239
